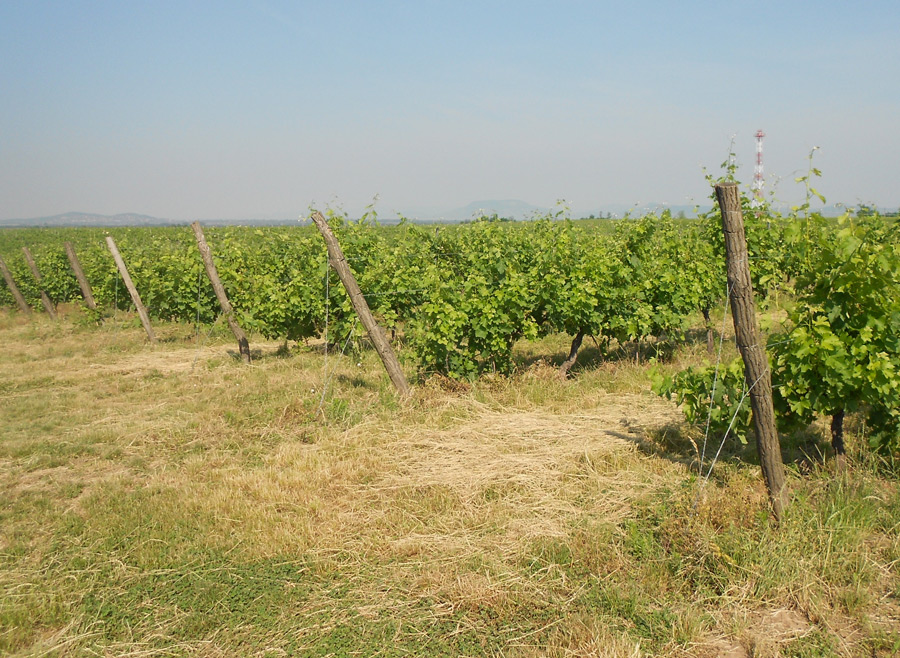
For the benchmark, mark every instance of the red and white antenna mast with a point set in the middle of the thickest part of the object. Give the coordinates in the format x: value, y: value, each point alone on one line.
x: 758, y: 171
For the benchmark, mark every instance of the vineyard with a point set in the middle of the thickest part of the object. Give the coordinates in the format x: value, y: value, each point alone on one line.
x: 457, y: 299
x: 539, y: 494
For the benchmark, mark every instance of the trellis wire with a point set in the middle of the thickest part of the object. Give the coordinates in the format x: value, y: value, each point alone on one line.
x: 199, y: 275
x: 712, y: 393
x: 395, y: 292
x: 200, y: 343
x: 705, y: 479
x: 327, y: 311
x: 730, y: 425
x: 116, y: 306
x: 205, y: 338
x: 328, y: 377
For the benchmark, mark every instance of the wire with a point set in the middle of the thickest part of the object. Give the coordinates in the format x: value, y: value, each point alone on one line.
x: 328, y: 377
x: 712, y: 393
x: 206, y: 338
x: 199, y: 274
x: 199, y: 347
x: 731, y: 424
x: 327, y: 313
x: 395, y: 292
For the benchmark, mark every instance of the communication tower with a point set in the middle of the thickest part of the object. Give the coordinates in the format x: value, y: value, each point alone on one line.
x: 758, y: 171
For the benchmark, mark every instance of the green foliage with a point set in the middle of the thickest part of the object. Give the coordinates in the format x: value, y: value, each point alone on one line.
x: 581, y: 281
x: 842, y: 350
x: 773, y: 258
x: 774, y: 261
x: 667, y: 279
x: 459, y: 297
x: 707, y: 396
x: 479, y: 302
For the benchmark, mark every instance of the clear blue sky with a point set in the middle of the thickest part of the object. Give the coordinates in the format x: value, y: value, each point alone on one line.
x: 258, y: 108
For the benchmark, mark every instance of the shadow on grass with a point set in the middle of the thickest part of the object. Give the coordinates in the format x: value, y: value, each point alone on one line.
x: 595, y: 354
x: 354, y: 381
x: 283, y: 351
x: 650, y: 446
x: 679, y: 443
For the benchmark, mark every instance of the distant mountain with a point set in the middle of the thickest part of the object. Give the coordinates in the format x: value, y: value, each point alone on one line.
x: 75, y: 219
x: 90, y: 219
x: 506, y: 208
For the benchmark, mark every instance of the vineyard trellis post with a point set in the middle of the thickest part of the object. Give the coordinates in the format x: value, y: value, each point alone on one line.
x: 379, y: 339
x: 746, y: 330
x: 227, y: 310
x: 45, y: 299
x: 14, y: 289
x: 135, y: 297
x: 86, y: 291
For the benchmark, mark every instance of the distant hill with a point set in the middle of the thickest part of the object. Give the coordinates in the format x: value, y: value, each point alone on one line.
x: 506, y: 208
x: 75, y: 219
x: 90, y: 219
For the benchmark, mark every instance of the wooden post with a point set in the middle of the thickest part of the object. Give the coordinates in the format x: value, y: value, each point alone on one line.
x: 746, y: 330
x: 239, y: 335
x: 382, y: 345
x: 135, y: 297
x: 14, y: 289
x: 86, y: 291
x: 45, y: 300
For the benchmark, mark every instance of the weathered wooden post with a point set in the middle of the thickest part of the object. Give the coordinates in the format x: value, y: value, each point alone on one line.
x: 14, y: 289
x: 382, y: 345
x: 45, y: 299
x: 239, y: 335
x: 86, y: 291
x: 135, y: 297
x: 753, y: 352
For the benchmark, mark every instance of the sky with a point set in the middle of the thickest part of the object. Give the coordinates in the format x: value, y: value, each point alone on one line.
x: 265, y: 108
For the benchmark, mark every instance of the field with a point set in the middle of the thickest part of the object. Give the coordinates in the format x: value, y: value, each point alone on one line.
x: 168, y: 500
x: 165, y: 498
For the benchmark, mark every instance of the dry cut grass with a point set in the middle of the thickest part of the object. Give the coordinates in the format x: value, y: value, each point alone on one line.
x: 168, y: 500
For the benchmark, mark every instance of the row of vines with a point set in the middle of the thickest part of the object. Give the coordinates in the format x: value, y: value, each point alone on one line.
x: 456, y: 299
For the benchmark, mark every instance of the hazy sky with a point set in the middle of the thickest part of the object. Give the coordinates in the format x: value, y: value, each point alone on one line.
x: 245, y: 109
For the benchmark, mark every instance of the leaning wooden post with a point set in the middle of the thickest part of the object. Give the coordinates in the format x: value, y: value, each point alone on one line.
x: 86, y: 291
x: 239, y: 335
x: 746, y: 330
x: 14, y: 289
x: 135, y: 297
x: 382, y: 345
x: 45, y: 300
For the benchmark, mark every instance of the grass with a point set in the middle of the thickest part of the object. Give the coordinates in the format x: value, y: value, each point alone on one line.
x: 167, y: 500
